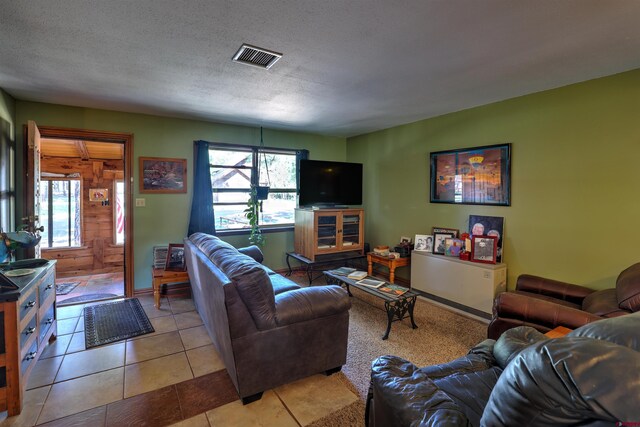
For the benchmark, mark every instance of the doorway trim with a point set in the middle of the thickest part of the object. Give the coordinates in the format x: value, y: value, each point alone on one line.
x: 126, y: 139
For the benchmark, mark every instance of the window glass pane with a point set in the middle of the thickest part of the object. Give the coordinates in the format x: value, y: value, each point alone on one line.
x: 60, y: 229
x: 229, y: 217
x: 119, y: 213
x: 74, y: 210
x: 231, y: 197
x: 230, y: 178
x: 278, y: 209
x: 44, y: 213
x: 230, y: 158
x: 282, y: 170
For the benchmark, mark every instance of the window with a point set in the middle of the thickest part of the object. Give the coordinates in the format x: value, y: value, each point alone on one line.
x: 60, y: 213
x: 118, y: 212
x: 233, y: 171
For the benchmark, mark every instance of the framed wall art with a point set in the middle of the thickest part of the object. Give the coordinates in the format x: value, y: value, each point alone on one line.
x: 98, y: 194
x: 175, y: 257
x: 163, y: 175
x: 484, y: 249
x: 472, y: 176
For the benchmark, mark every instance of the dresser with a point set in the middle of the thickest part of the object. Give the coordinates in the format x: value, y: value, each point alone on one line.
x: 27, y: 324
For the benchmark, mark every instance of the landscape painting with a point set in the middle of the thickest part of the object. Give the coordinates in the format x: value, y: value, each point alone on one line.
x: 163, y: 175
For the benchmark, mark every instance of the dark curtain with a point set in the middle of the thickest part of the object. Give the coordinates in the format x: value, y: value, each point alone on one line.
x: 202, y: 219
x: 300, y: 155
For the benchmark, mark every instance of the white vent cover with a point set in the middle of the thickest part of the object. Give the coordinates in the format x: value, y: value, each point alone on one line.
x: 256, y: 56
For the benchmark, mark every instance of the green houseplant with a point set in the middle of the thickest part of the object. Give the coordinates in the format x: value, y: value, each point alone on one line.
x: 251, y: 213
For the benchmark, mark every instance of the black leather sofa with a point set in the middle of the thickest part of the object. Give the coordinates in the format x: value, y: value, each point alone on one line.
x: 268, y: 330
x: 590, y: 377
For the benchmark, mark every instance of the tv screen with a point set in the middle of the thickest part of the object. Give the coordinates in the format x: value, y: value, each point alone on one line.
x: 330, y: 183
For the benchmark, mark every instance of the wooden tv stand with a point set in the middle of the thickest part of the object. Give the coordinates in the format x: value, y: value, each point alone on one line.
x: 328, y: 231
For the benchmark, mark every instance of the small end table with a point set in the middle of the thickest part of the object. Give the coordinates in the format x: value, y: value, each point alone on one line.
x: 390, y: 263
x: 558, y: 332
x: 160, y: 277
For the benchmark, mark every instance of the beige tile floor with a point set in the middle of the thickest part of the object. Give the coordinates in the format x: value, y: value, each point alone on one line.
x: 69, y: 379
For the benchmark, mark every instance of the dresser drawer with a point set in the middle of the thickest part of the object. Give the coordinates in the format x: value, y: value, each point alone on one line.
x: 28, y: 305
x: 29, y: 357
x: 46, y: 322
x: 28, y: 331
x: 46, y: 287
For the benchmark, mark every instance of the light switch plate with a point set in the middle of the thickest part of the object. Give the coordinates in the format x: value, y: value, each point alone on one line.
x: 140, y: 203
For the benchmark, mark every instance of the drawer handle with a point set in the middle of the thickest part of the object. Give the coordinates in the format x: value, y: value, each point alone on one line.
x: 30, y: 304
x: 30, y: 330
x: 31, y: 356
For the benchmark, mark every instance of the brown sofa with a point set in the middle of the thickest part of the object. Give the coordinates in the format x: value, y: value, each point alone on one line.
x: 545, y: 304
x: 268, y: 330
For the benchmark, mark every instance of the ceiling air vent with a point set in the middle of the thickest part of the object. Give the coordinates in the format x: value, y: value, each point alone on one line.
x: 256, y: 56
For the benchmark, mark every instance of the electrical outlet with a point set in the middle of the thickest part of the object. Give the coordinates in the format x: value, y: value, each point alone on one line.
x: 486, y: 275
x: 140, y: 203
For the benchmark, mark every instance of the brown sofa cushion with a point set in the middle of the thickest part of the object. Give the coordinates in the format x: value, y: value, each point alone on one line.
x: 628, y: 288
x: 601, y: 303
x: 550, y: 299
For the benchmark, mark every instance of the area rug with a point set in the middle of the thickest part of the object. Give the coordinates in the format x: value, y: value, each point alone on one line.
x: 85, y: 298
x: 115, y: 321
x: 65, y: 288
x: 442, y: 335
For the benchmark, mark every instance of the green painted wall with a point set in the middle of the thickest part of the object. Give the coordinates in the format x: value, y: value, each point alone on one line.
x: 575, y: 183
x: 7, y: 127
x: 165, y: 217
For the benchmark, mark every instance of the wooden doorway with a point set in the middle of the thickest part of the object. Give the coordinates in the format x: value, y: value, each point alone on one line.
x: 81, y: 139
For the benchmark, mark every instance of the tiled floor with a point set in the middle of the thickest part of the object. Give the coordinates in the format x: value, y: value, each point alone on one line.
x: 173, y: 376
x: 107, y: 283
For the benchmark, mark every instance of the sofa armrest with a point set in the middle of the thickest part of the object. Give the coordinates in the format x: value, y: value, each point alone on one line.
x: 310, y: 303
x: 552, y: 288
x: 510, y: 305
x: 254, y: 252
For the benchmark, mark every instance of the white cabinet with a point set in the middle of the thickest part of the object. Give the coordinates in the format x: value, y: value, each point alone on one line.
x: 458, y: 283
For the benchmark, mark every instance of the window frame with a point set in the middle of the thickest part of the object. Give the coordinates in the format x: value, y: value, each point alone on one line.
x: 255, y: 151
x: 49, y: 207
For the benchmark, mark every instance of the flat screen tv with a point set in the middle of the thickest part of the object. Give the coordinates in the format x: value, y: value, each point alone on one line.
x: 325, y: 183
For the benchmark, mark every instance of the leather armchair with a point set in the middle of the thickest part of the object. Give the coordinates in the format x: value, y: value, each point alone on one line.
x: 545, y: 304
x: 591, y: 377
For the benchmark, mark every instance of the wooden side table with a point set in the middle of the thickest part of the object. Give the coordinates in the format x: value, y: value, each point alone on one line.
x: 161, y: 277
x: 558, y: 332
x: 390, y: 263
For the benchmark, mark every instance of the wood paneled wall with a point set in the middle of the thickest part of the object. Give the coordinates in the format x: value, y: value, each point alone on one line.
x: 98, y: 253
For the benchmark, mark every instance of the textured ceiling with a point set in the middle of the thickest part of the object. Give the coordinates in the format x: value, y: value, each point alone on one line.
x: 349, y: 67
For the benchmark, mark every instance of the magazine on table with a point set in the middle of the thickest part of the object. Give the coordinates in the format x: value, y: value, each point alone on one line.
x: 371, y: 283
x: 343, y: 271
x: 357, y: 275
x: 390, y: 288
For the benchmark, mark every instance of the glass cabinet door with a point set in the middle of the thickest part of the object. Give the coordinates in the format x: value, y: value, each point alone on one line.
x: 351, y: 230
x: 327, y: 237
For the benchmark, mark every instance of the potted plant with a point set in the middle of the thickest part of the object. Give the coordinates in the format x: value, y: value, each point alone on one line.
x: 252, y: 214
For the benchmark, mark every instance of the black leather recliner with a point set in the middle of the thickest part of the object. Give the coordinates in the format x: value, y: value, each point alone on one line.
x: 591, y: 377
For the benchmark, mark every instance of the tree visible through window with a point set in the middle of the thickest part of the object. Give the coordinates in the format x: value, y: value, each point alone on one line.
x: 60, y: 213
x: 234, y: 170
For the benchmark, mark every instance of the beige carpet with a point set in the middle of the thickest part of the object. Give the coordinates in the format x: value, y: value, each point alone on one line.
x: 442, y: 335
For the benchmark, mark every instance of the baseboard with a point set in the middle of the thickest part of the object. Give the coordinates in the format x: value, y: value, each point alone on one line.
x: 455, y: 308
x: 171, y: 289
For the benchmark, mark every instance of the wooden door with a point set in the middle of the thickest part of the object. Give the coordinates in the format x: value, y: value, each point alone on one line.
x: 31, y: 219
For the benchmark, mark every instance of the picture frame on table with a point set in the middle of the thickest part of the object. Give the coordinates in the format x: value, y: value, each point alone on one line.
x: 175, y: 258
x: 454, y: 231
x: 480, y: 225
x: 405, y: 240
x: 423, y: 243
x: 471, y: 176
x: 163, y: 175
x: 484, y: 249
x: 453, y: 247
x: 439, y: 242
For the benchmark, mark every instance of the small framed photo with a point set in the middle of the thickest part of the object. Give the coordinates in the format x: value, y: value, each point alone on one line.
x: 453, y: 231
x: 423, y: 242
x: 484, y: 249
x: 405, y: 240
x: 163, y: 175
x: 98, y: 194
x: 439, y: 242
x: 175, y: 257
x: 453, y: 247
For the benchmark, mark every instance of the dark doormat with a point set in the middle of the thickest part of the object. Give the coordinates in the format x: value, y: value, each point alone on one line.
x: 84, y: 298
x: 115, y: 321
x: 65, y: 288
